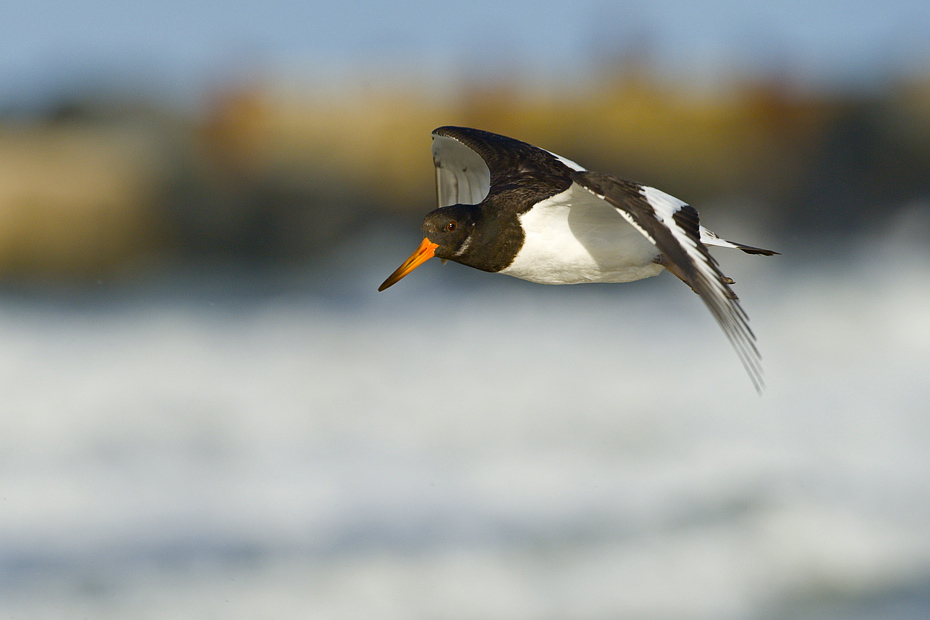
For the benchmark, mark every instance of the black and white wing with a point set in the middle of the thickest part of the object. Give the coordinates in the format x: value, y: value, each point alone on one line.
x: 674, y: 228
x: 471, y: 161
x: 462, y: 176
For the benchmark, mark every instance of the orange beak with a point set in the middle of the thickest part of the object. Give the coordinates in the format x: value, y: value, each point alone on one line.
x: 422, y: 254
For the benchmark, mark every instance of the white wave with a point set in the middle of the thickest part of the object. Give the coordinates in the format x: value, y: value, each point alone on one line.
x: 508, y: 452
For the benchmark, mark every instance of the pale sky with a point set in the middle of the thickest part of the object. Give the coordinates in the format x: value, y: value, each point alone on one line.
x: 179, y: 45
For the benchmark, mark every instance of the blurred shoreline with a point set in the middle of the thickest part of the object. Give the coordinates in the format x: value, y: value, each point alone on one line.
x: 104, y: 186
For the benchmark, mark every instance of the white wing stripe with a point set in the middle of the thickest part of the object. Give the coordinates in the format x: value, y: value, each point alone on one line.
x: 567, y: 162
x: 666, y: 207
x: 728, y: 312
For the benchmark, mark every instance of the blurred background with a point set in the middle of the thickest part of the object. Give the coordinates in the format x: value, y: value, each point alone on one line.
x: 207, y: 411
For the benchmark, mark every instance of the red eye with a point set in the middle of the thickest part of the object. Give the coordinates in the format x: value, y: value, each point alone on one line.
x: 450, y: 226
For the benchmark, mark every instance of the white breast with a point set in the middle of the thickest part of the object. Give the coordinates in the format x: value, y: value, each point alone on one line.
x: 575, y: 237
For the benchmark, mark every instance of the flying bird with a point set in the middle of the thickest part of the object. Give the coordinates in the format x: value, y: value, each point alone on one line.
x: 509, y: 207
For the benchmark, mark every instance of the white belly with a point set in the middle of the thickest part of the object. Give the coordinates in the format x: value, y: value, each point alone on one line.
x: 574, y: 239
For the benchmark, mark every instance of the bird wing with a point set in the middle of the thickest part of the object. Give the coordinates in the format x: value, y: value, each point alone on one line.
x: 674, y: 228
x: 462, y: 175
x: 471, y: 161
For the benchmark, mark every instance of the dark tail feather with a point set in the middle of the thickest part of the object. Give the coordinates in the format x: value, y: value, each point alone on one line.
x: 751, y: 250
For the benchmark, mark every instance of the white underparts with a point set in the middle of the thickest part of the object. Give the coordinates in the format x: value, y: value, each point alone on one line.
x: 575, y: 237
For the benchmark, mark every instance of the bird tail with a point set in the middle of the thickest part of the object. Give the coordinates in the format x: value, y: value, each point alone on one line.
x: 710, y: 238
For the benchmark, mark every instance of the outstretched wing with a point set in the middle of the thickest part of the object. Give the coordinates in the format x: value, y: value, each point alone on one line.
x: 674, y: 228
x: 462, y: 175
x: 470, y: 161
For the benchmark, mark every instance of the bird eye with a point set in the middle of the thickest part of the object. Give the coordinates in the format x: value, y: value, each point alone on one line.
x: 450, y: 226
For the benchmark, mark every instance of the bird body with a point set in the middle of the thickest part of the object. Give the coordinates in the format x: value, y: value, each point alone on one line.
x: 575, y: 237
x: 508, y: 207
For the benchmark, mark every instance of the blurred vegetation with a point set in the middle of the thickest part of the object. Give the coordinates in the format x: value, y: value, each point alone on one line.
x: 104, y: 186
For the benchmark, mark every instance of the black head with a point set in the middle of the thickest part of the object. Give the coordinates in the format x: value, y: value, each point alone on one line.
x: 450, y: 228
x: 448, y: 235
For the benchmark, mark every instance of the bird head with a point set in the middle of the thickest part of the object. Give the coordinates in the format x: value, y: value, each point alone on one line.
x: 448, y: 233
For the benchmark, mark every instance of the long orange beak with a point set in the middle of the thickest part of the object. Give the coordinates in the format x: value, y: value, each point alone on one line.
x: 422, y: 254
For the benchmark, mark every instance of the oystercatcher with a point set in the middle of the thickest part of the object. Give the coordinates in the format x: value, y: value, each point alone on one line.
x: 509, y: 207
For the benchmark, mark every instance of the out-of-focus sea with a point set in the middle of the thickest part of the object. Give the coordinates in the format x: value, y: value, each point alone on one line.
x: 470, y: 446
